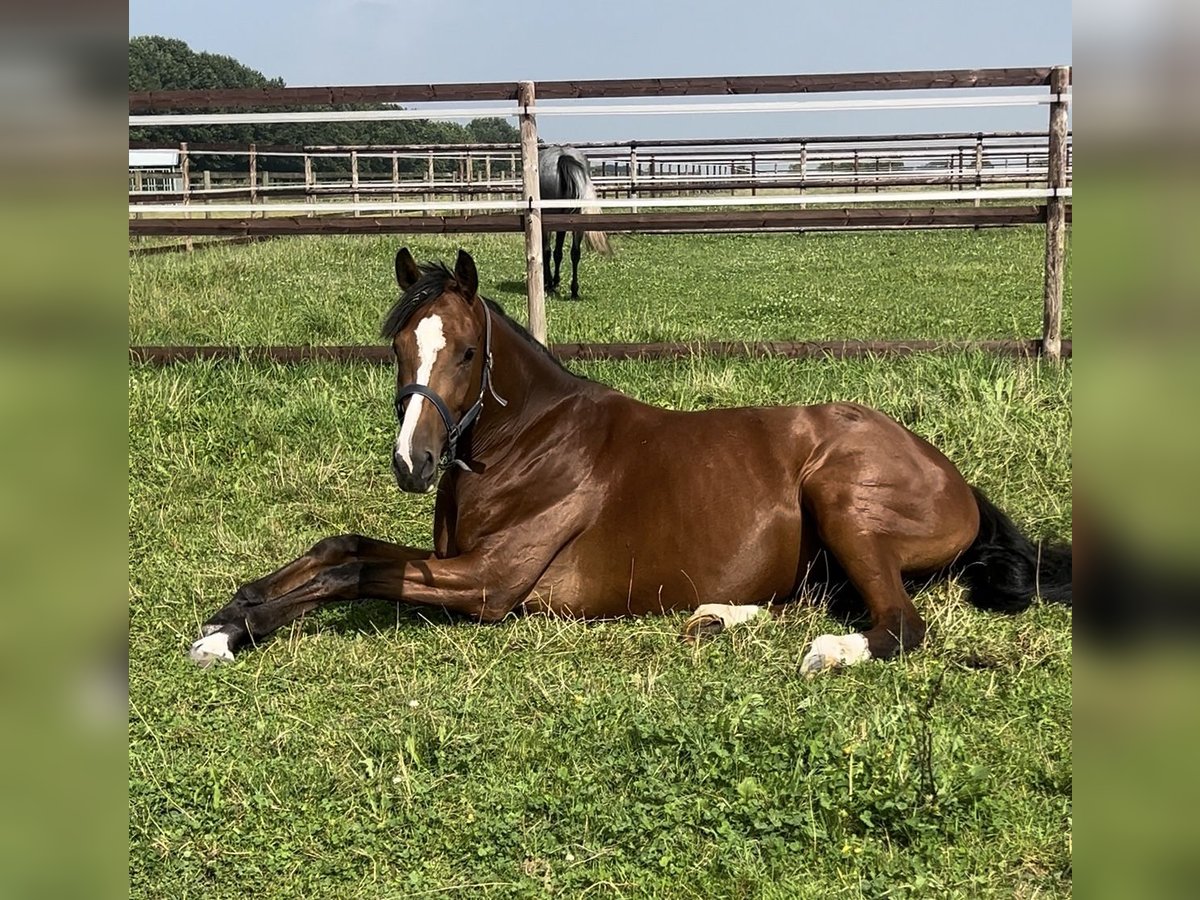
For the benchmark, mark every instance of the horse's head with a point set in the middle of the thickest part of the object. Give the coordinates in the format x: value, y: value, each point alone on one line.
x: 440, y: 331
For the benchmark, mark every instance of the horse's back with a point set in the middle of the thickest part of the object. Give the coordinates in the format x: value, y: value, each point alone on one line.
x: 699, y: 507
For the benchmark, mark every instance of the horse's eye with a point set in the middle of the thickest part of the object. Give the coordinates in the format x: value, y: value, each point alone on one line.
x: 469, y: 355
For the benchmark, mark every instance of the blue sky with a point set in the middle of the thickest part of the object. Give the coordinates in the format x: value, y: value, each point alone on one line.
x: 318, y: 42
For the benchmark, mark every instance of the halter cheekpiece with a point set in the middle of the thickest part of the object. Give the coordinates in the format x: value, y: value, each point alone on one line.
x: 455, y: 430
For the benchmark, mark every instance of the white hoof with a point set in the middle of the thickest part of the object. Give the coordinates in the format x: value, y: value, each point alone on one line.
x: 210, y: 649
x: 711, y: 618
x: 832, y: 651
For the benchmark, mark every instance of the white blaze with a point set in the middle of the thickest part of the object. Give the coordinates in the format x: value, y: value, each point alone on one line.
x: 430, y: 339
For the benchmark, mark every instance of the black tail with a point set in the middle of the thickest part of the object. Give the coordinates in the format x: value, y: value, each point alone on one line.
x: 575, y: 182
x: 1004, y: 570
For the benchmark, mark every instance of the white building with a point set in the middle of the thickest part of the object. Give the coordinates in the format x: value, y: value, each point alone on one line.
x: 155, y: 170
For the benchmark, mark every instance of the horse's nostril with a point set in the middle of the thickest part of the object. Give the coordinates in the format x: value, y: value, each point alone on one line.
x: 428, y: 465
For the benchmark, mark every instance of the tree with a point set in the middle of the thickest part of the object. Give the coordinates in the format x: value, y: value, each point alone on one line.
x: 492, y: 131
x: 166, y: 64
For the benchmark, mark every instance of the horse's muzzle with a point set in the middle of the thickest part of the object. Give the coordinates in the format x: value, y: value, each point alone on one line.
x: 420, y: 477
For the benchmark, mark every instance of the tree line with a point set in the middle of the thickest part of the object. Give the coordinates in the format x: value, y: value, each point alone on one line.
x: 159, y: 63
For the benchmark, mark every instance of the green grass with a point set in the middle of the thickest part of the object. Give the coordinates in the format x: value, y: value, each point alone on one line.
x: 376, y: 752
x: 948, y: 284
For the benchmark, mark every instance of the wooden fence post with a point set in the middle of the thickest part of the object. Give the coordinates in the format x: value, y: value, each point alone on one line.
x: 633, y: 167
x: 753, y: 175
x: 185, y: 169
x: 253, y: 174
x: 978, y: 169
x: 354, y: 179
x: 139, y: 184
x: 207, y: 189
x: 185, y: 166
x: 1056, y: 216
x: 309, y: 194
x: 395, y: 177
x: 803, y: 170
x: 534, y: 282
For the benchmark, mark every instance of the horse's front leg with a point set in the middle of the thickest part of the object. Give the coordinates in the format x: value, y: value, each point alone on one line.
x: 351, y: 567
x: 327, y: 572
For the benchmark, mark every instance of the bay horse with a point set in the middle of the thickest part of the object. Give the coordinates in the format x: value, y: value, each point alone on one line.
x: 561, y: 495
x: 564, y: 174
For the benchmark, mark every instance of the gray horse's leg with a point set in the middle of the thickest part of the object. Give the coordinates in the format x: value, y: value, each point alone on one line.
x: 576, y: 240
x: 558, y: 245
x: 549, y: 282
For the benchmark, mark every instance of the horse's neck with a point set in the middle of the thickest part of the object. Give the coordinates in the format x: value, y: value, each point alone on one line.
x: 524, y: 369
x: 527, y: 381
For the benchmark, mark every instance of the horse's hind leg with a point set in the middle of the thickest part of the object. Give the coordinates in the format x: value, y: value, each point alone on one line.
x: 329, y: 571
x: 874, y: 572
x: 559, y: 236
x: 576, y: 240
x: 547, y: 271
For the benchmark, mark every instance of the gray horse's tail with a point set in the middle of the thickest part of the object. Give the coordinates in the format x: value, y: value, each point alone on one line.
x: 577, y: 184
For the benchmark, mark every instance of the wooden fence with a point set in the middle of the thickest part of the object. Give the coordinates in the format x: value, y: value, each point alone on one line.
x: 619, y: 168
x: 531, y: 216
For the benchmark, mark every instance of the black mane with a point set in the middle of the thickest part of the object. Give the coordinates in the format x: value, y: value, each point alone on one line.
x: 434, y: 281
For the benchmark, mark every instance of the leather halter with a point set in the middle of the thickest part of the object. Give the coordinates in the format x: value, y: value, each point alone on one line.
x: 455, y: 430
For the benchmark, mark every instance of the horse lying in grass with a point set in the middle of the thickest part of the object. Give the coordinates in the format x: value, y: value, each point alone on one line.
x: 562, y: 495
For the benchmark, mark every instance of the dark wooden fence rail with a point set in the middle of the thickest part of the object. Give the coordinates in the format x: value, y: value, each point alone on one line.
x: 711, y: 220
x: 262, y: 98
x: 155, y: 355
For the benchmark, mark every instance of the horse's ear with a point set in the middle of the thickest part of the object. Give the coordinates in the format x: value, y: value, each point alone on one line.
x: 466, y: 275
x: 407, y: 271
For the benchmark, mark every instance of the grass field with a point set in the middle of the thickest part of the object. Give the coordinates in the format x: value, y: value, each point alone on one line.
x: 375, y: 752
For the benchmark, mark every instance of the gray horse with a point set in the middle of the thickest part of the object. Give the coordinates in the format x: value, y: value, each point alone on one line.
x: 564, y: 175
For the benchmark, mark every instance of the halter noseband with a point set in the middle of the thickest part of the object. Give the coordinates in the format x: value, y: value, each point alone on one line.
x: 454, y: 430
